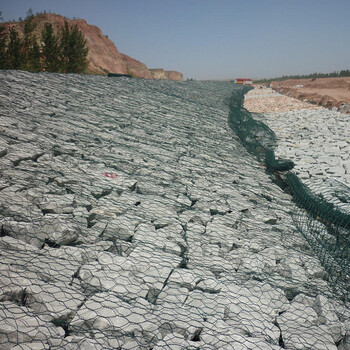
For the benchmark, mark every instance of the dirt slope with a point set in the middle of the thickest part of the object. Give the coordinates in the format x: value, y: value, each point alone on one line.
x: 327, y: 92
x: 103, y: 56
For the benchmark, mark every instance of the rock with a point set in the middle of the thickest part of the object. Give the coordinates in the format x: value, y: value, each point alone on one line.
x: 261, y: 297
x: 250, y: 321
x: 300, y: 329
x: 57, y: 204
x: 25, y: 327
x: 220, y: 335
x: 59, y: 230
x: 312, y: 337
x: 179, y: 319
x: 207, y: 303
x: 112, y: 273
x: 223, y: 235
x: 299, y: 314
x: 10, y: 243
x: 176, y: 341
x: 23, y: 152
x: 153, y: 266
x: 146, y: 233
x: 170, y: 294
x: 54, y: 228
x: 174, y: 246
x: 106, y: 312
x: 159, y: 73
x: 121, y: 228
x: 44, y: 267
x: 3, y: 148
x: 52, y: 301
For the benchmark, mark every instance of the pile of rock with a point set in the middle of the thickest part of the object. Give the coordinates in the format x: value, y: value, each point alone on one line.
x: 132, y: 218
x: 267, y: 100
x: 313, y: 137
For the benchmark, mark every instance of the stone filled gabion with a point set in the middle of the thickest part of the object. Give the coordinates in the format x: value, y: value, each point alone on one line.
x: 132, y: 218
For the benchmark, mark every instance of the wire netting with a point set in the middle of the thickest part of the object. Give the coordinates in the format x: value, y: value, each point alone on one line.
x: 133, y: 218
x: 325, y: 226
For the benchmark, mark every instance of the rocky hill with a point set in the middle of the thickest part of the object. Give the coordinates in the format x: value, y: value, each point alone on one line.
x: 159, y: 73
x: 103, y: 56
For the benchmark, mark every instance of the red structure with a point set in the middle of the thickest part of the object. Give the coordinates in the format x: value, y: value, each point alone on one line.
x: 243, y: 81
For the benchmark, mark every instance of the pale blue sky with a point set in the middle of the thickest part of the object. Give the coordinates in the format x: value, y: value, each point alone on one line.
x: 216, y: 39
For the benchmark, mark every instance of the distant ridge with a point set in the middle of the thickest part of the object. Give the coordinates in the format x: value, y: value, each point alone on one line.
x: 103, y: 56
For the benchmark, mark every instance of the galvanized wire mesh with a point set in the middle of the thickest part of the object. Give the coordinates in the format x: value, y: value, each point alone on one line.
x: 325, y: 226
x: 133, y: 218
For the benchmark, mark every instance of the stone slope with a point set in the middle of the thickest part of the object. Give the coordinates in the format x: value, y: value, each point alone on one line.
x: 103, y: 55
x: 312, y: 136
x: 133, y: 218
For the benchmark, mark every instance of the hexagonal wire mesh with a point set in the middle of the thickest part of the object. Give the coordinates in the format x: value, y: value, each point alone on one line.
x: 133, y: 218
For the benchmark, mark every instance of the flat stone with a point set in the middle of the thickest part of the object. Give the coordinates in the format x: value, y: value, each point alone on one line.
x: 10, y: 243
x: 25, y: 327
x: 206, y: 303
x: 311, y: 337
x: 46, y: 268
x: 55, y: 228
x: 172, y: 294
x: 59, y: 230
x: 153, y: 266
x: 176, y: 341
x: 57, y: 204
x: 125, y: 286
x: 221, y: 335
x: 146, y: 233
x: 261, y: 297
x: 184, y: 278
x: 119, y: 228
x: 104, y: 311
x: 179, y: 319
x: 3, y: 148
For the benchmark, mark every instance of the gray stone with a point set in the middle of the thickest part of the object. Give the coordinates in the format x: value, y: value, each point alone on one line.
x: 18, y: 324
x: 119, y: 228
x: 46, y: 268
x: 176, y: 341
x: 3, y: 148
x: 261, y: 297
x: 57, y: 204
x: 179, y: 319
x: 10, y: 243
x: 112, y: 273
x: 311, y: 337
x: 55, y: 228
x: 104, y: 311
x: 146, y: 233
x: 207, y: 303
x: 220, y: 335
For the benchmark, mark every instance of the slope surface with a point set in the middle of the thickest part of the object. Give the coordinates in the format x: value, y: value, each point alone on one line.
x: 132, y: 217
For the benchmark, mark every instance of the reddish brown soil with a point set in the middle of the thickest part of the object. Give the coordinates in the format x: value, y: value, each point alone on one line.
x: 327, y: 92
x: 103, y: 55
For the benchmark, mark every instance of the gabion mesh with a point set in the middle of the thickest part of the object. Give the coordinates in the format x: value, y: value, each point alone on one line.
x: 132, y: 217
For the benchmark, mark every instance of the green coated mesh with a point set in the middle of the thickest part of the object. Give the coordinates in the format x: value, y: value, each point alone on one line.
x: 257, y: 137
x: 325, y: 227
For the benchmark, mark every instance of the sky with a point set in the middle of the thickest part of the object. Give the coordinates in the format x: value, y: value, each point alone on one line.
x: 216, y: 39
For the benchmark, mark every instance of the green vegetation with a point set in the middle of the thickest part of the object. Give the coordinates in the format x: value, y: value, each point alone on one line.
x: 342, y: 73
x: 63, y: 52
x: 73, y: 49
